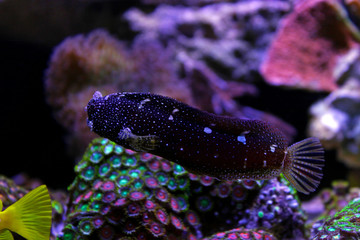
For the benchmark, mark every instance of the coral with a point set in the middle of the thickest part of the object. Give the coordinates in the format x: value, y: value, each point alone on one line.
x: 10, y: 192
x: 335, y: 120
x: 313, y: 47
x: 217, y: 49
x: 121, y: 193
x: 82, y: 64
x: 155, y: 74
x: 77, y: 66
x: 242, y: 233
x: 228, y: 37
x: 59, y: 209
x: 216, y: 46
x: 345, y: 224
x: 327, y: 203
x: 182, y: 52
x: 277, y: 209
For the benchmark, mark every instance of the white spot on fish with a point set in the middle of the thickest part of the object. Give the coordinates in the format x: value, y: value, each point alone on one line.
x: 141, y: 105
x: 241, y: 139
x: 216, y: 156
x: 213, y: 124
x: 181, y: 149
x: 175, y: 110
x: 171, y: 117
x: 245, y: 132
x: 264, y: 163
x: 207, y: 130
x: 272, y: 147
x: 90, y: 124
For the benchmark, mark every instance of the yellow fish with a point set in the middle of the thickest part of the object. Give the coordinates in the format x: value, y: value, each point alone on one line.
x: 29, y: 217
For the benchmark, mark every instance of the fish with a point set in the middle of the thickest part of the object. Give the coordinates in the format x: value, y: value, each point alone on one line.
x: 226, y: 148
x: 29, y: 217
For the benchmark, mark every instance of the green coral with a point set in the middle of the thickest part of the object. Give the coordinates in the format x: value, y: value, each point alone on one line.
x: 242, y: 233
x: 344, y: 225
x: 121, y: 193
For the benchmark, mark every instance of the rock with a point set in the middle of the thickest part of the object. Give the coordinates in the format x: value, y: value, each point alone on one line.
x: 335, y: 120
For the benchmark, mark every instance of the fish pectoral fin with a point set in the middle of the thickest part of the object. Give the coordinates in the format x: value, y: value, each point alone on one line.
x: 6, y: 235
x: 137, y: 142
x: 144, y: 143
x: 126, y: 134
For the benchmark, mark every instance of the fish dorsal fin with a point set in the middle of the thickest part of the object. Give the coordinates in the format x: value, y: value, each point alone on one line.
x: 31, y: 215
x: 6, y: 235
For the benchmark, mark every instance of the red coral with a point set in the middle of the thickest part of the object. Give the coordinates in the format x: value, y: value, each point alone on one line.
x: 308, y: 46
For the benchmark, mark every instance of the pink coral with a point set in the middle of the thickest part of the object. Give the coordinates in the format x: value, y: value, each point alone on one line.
x: 308, y: 47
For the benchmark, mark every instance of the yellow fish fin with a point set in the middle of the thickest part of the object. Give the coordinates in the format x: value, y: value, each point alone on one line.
x: 30, y: 216
x: 6, y: 235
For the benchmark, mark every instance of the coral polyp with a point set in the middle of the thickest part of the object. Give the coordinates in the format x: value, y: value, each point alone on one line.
x: 121, y: 193
x: 344, y: 225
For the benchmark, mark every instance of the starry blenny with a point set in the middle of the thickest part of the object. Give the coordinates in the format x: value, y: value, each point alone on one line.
x: 226, y: 148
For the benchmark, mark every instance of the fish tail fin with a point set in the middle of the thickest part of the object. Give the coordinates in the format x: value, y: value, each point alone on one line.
x: 6, y: 235
x: 31, y: 215
x: 303, y: 164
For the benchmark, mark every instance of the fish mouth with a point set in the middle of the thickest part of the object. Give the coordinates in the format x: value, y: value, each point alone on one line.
x: 90, y: 108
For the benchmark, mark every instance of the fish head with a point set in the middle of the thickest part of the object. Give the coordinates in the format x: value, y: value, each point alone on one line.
x: 104, y: 116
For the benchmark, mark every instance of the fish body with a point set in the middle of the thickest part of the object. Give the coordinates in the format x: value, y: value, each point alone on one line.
x: 29, y: 217
x: 226, y: 148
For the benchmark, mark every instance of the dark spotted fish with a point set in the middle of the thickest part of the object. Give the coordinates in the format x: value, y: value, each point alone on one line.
x: 203, y: 143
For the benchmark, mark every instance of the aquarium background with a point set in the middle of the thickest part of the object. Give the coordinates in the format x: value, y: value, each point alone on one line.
x: 278, y: 61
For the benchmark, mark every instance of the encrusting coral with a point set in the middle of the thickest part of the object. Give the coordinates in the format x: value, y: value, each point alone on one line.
x: 327, y: 204
x: 218, y: 47
x: 314, y: 46
x: 121, y: 193
x: 242, y: 233
x: 345, y: 224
